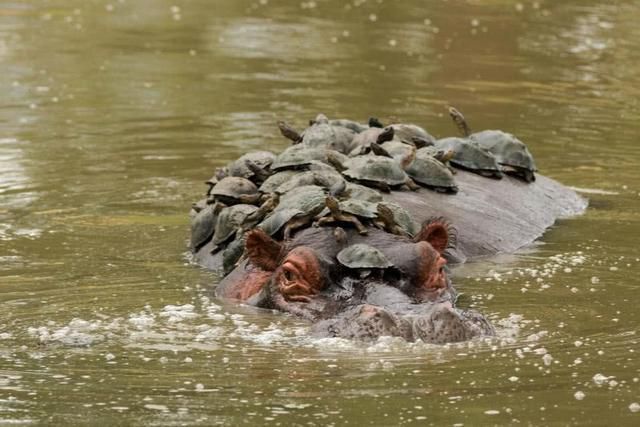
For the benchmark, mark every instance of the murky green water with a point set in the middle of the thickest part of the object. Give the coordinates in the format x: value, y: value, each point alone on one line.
x: 113, y: 113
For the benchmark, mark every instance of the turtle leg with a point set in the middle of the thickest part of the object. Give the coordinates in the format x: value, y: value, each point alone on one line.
x: 411, y: 184
x: 293, y: 225
x: 383, y: 186
x: 352, y: 219
x: 325, y: 220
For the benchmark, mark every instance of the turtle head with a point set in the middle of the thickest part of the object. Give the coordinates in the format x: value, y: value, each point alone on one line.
x: 459, y: 121
x: 375, y: 123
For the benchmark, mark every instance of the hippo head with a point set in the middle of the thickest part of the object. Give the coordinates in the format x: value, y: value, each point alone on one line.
x: 408, y: 295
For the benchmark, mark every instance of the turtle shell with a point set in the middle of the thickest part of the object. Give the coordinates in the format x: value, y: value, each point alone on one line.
x: 235, y: 188
x: 360, y: 192
x: 322, y: 134
x: 230, y: 220
x: 362, y: 255
x: 349, y: 124
x: 397, y: 149
x: 507, y: 149
x: 407, y: 133
x: 308, y: 198
x: 299, y: 156
x: 470, y: 155
x: 278, y: 219
x: 355, y: 207
x: 375, y: 169
x: 274, y: 181
x: 262, y: 159
x: 428, y: 171
x: 323, y: 178
x: 203, y: 226
x: 403, y: 218
x: 232, y: 254
x: 365, y: 139
x: 197, y: 207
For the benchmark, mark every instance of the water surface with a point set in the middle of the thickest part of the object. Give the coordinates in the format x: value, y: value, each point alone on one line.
x: 113, y: 113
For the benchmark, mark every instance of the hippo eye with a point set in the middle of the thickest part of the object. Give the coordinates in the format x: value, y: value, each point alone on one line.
x: 288, y: 275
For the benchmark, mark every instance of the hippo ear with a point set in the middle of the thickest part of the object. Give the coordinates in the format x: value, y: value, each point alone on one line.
x: 262, y: 250
x: 439, y: 233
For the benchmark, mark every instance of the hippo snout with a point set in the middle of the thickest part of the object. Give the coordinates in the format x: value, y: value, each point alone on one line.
x: 446, y: 324
x: 439, y: 323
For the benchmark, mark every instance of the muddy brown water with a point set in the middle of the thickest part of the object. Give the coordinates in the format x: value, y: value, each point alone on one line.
x: 113, y: 113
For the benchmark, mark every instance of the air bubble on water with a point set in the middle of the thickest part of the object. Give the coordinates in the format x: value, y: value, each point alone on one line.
x: 178, y: 313
x: 600, y: 379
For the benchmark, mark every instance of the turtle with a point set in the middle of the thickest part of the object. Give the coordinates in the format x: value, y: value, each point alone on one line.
x: 432, y: 173
x: 274, y: 181
x: 394, y: 219
x: 468, y: 154
x: 279, y: 219
x: 366, y: 141
x: 363, y: 256
x: 219, y: 174
x: 511, y: 153
x: 413, y: 134
x: 322, y: 178
x: 235, y: 220
x: 320, y: 134
x: 375, y: 171
x: 232, y: 254
x: 197, y: 207
x: 234, y: 189
x: 254, y: 165
x: 441, y: 155
x: 349, y: 124
x: 302, y: 157
x: 350, y: 211
x: 360, y: 192
x: 295, y: 210
x: 407, y: 133
x: 203, y: 225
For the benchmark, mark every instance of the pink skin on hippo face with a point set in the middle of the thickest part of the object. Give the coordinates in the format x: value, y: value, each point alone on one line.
x: 413, y: 299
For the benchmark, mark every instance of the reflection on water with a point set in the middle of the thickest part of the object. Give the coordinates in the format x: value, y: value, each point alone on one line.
x: 114, y: 113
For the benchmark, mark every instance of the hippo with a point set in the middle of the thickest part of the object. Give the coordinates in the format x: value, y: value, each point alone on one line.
x: 343, y: 240
x: 414, y: 299
x: 409, y: 297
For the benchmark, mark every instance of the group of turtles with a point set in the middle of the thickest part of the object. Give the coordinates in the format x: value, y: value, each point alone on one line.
x: 335, y: 172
